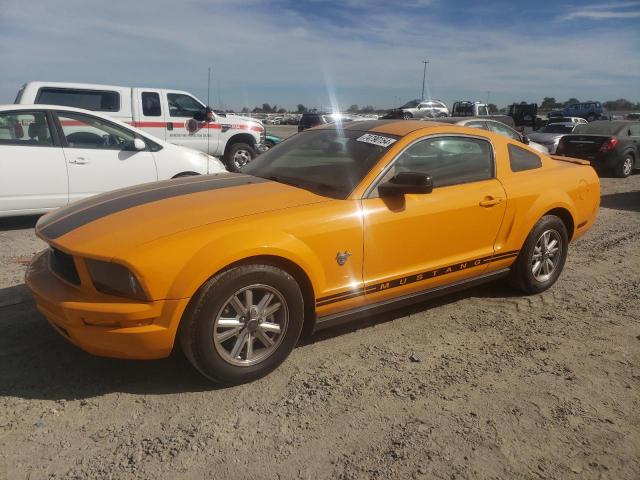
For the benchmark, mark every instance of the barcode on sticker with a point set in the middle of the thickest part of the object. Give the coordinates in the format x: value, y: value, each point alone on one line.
x: 379, y: 140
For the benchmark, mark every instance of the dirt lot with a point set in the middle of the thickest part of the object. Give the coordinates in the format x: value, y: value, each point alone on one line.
x: 484, y: 384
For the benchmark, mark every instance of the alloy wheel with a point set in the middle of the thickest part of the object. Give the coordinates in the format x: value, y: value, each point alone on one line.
x: 546, y: 255
x: 250, y: 325
x: 241, y: 158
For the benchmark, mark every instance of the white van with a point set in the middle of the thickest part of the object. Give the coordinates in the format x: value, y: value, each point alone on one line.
x: 165, y: 114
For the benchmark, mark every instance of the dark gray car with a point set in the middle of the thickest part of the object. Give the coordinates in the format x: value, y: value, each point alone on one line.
x: 550, y: 135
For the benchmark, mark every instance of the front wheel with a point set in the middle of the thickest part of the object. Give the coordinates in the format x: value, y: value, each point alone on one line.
x: 406, y: 116
x: 238, y: 155
x: 542, y: 257
x: 243, y: 324
x: 625, y: 167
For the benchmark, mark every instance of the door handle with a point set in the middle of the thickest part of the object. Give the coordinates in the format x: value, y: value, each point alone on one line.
x: 79, y: 161
x: 490, y: 201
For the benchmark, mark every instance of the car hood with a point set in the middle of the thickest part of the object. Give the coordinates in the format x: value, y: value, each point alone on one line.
x: 545, y: 137
x: 104, y: 225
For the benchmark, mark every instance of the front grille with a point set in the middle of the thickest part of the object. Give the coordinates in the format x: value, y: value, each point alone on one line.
x: 64, y: 266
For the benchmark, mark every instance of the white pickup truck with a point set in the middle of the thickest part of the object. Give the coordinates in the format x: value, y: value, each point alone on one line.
x: 169, y: 115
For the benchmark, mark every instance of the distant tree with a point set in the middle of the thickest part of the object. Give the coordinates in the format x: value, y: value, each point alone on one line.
x: 493, y: 108
x: 282, y: 110
x: 548, y: 103
x: 257, y: 110
x: 619, y: 104
x: 570, y: 101
x: 353, y: 108
x: 266, y: 108
x: 301, y: 108
x: 244, y: 110
x: 524, y: 103
x: 367, y: 109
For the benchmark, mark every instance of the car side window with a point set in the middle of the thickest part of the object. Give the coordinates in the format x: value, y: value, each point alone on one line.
x: 181, y: 105
x: 83, y: 131
x: 449, y: 160
x: 151, y: 104
x: 521, y: 159
x: 25, y: 128
x: 503, y: 130
x: 477, y: 124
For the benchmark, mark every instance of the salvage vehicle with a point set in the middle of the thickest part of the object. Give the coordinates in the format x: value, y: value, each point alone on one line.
x: 609, y: 145
x: 467, y: 108
x: 495, y: 126
x: 550, y: 135
x: 524, y: 114
x: 419, y: 109
x: 171, y: 115
x: 590, y: 111
x: 51, y: 156
x: 313, y: 119
x: 339, y: 222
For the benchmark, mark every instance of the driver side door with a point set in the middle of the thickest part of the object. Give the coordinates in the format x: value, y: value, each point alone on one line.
x: 100, y: 156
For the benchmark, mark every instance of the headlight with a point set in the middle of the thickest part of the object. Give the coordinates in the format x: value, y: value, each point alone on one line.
x: 115, y: 279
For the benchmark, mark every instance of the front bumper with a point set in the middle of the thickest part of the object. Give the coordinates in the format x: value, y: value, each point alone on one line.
x: 102, y: 324
x: 261, y: 147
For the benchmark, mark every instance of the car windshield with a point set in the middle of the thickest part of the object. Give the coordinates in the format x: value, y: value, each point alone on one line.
x: 411, y: 104
x: 328, y: 162
x: 600, y: 128
x: 557, y: 128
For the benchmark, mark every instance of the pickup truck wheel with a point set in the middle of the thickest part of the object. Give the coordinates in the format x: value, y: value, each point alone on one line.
x: 238, y: 155
x: 591, y: 117
x: 243, y: 324
x: 625, y: 167
x: 542, y: 257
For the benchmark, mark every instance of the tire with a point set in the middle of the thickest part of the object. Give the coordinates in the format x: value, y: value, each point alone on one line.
x: 624, y: 167
x: 442, y: 115
x: 548, y: 229
x: 269, y: 144
x: 238, y: 155
x: 210, y: 346
x: 591, y: 117
x: 406, y: 116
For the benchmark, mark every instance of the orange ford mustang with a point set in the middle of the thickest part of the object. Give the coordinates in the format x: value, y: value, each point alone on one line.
x: 335, y: 223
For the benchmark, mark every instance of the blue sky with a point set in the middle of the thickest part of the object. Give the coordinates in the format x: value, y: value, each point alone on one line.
x: 321, y: 52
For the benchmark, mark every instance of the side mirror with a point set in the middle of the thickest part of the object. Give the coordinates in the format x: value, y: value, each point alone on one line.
x: 138, y: 144
x: 406, y: 182
x: 525, y: 140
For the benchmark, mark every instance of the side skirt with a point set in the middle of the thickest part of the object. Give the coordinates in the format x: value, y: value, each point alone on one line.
x: 339, y: 318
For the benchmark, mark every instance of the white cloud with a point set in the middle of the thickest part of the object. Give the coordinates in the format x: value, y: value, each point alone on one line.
x: 267, y: 53
x: 604, y: 11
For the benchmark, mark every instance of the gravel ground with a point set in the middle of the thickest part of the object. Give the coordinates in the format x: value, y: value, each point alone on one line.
x: 483, y: 384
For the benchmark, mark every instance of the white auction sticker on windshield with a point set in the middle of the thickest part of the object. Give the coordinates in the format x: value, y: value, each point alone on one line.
x: 379, y: 140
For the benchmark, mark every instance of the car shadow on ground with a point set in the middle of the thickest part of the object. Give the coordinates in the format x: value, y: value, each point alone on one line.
x: 628, y: 201
x: 18, y: 223
x: 37, y: 363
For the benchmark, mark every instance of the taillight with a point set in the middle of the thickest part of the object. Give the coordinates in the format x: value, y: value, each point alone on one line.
x: 609, y: 145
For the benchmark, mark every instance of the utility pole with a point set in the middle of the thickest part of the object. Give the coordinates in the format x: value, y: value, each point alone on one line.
x: 424, y: 76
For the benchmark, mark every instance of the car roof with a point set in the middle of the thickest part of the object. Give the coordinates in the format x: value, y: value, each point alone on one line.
x: 12, y: 107
x: 390, y: 127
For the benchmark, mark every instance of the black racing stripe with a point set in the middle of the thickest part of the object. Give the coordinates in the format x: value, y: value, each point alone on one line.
x: 418, y: 277
x: 105, y: 197
x: 123, y: 201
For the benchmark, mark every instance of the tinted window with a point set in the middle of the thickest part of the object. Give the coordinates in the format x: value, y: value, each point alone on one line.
x: 521, y: 159
x: 603, y: 127
x: 96, y: 100
x: 449, y: 160
x: 83, y: 131
x: 309, y: 120
x: 327, y: 162
x: 181, y: 105
x: 557, y: 128
x: 151, y: 104
x: 25, y: 128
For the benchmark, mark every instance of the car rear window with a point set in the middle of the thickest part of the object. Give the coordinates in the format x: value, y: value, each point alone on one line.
x: 521, y: 159
x: 604, y: 127
x: 96, y: 100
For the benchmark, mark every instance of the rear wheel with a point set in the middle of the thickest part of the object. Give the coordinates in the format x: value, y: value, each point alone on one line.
x: 238, y: 155
x: 542, y: 257
x: 243, y: 324
x: 406, y: 116
x: 625, y: 167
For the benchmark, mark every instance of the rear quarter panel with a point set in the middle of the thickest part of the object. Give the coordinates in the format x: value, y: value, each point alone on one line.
x: 567, y: 184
